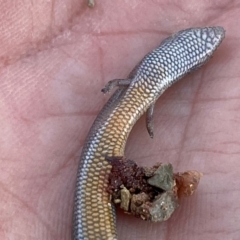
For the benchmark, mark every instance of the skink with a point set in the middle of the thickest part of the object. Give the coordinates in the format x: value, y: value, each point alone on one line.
x: 93, y: 214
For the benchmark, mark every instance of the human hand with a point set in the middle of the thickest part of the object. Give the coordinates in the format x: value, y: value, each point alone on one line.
x: 55, y: 58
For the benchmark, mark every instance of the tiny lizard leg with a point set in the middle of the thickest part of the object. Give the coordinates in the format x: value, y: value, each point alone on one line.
x: 116, y: 83
x: 149, y: 120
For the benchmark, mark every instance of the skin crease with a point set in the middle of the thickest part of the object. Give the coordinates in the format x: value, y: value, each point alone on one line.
x: 54, y: 59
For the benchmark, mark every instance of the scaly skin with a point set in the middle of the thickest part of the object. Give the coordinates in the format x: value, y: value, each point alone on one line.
x: 94, y: 215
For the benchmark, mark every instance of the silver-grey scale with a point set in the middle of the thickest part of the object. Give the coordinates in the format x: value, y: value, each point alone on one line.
x: 94, y: 214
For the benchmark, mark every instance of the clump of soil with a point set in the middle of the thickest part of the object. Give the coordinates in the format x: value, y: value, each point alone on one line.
x: 150, y: 193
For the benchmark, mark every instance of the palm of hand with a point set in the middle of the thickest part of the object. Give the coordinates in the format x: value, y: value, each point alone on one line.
x: 56, y: 58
